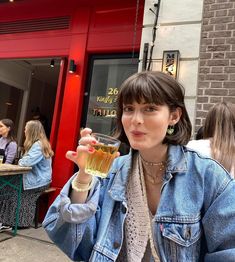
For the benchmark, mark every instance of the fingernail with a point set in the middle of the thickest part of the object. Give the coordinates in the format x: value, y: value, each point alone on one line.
x: 74, y: 153
x: 91, y: 149
x: 93, y: 142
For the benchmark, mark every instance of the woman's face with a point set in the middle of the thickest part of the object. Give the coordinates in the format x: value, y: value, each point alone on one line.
x: 4, y: 130
x: 146, y: 124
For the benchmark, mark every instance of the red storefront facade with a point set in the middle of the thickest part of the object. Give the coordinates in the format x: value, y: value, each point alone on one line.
x: 78, y: 30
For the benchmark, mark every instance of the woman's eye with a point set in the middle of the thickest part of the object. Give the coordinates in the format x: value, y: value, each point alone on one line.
x: 127, y: 109
x: 150, y: 109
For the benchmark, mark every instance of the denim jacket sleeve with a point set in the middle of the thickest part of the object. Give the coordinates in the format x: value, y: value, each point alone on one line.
x: 68, y: 224
x: 219, y: 225
x: 33, y: 156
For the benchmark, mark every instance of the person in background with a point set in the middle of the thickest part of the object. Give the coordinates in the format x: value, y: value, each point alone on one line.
x: 161, y: 202
x: 37, y: 154
x: 8, y: 144
x: 37, y: 115
x: 199, y: 134
x: 219, y: 136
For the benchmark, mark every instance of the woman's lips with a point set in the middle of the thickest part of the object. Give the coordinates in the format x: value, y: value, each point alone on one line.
x: 137, y: 133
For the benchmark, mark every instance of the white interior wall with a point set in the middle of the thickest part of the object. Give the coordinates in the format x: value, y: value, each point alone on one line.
x: 14, y: 74
x: 179, y: 28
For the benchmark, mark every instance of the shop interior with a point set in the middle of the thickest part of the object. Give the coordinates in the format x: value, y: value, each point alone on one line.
x: 28, y: 91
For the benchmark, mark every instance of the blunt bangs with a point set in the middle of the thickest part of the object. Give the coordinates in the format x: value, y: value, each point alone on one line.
x: 141, y: 89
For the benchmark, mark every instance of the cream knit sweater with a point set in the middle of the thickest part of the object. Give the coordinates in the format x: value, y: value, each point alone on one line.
x: 138, y: 243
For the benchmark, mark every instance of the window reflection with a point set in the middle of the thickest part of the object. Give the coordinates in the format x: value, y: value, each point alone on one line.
x: 10, y: 103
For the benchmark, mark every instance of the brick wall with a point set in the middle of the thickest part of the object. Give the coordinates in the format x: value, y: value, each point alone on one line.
x: 217, y: 56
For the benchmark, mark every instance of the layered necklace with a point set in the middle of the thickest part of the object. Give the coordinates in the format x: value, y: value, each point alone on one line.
x: 154, y: 171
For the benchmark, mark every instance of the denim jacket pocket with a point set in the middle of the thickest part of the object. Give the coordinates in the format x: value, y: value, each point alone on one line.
x: 183, y: 234
x: 182, y: 241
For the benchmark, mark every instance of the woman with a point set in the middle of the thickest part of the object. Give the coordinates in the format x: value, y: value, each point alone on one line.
x: 37, y: 154
x: 162, y: 202
x: 219, y: 136
x: 8, y: 145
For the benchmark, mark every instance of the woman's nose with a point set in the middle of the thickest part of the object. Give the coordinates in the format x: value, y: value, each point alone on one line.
x: 137, y: 118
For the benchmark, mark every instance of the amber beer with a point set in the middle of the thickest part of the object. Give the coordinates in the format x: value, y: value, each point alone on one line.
x: 99, y: 162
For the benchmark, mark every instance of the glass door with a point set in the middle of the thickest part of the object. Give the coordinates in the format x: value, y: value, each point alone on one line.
x: 106, y: 76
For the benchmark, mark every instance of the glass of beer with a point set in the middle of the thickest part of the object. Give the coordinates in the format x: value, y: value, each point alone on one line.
x: 99, y: 162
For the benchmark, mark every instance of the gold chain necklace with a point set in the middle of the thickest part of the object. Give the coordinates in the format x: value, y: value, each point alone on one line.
x: 161, y: 164
x: 157, y: 178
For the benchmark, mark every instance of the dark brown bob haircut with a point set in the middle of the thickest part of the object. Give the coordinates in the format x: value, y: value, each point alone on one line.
x: 155, y: 88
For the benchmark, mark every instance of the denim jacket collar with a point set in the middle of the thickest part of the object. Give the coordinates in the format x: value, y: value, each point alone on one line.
x: 176, y: 163
x: 176, y: 159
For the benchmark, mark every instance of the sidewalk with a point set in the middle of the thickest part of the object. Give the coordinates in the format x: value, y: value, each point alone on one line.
x: 29, y: 245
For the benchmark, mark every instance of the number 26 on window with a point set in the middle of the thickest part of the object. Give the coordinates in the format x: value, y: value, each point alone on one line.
x: 112, y: 91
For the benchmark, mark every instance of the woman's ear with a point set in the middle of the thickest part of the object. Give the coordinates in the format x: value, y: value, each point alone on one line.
x: 175, y: 116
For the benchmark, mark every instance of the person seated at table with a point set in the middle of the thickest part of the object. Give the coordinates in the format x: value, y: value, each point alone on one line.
x: 8, y: 144
x: 37, y: 154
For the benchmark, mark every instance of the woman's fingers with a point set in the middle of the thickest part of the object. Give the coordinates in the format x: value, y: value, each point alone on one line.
x: 86, y: 141
x: 71, y: 155
x: 83, y: 149
x: 117, y: 154
x: 86, y: 138
x: 85, y: 132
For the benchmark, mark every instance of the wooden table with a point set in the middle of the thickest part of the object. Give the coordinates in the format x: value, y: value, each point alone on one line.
x: 8, y: 173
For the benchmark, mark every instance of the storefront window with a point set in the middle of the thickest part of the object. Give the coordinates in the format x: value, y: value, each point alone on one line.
x: 104, y: 83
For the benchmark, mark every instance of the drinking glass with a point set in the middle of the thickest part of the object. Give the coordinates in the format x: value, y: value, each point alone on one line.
x: 99, y: 162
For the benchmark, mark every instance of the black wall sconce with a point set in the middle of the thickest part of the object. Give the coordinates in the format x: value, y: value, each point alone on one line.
x: 72, y: 66
x: 52, y: 64
x: 170, y: 62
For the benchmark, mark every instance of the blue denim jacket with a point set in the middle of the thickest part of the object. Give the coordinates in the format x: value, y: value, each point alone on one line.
x: 41, y: 168
x: 195, y: 219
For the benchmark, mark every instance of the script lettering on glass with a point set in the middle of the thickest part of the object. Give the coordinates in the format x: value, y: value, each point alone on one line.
x: 101, y: 110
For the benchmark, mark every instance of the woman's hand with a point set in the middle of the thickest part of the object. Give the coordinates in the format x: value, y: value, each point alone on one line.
x: 79, y: 158
x: 84, y: 148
